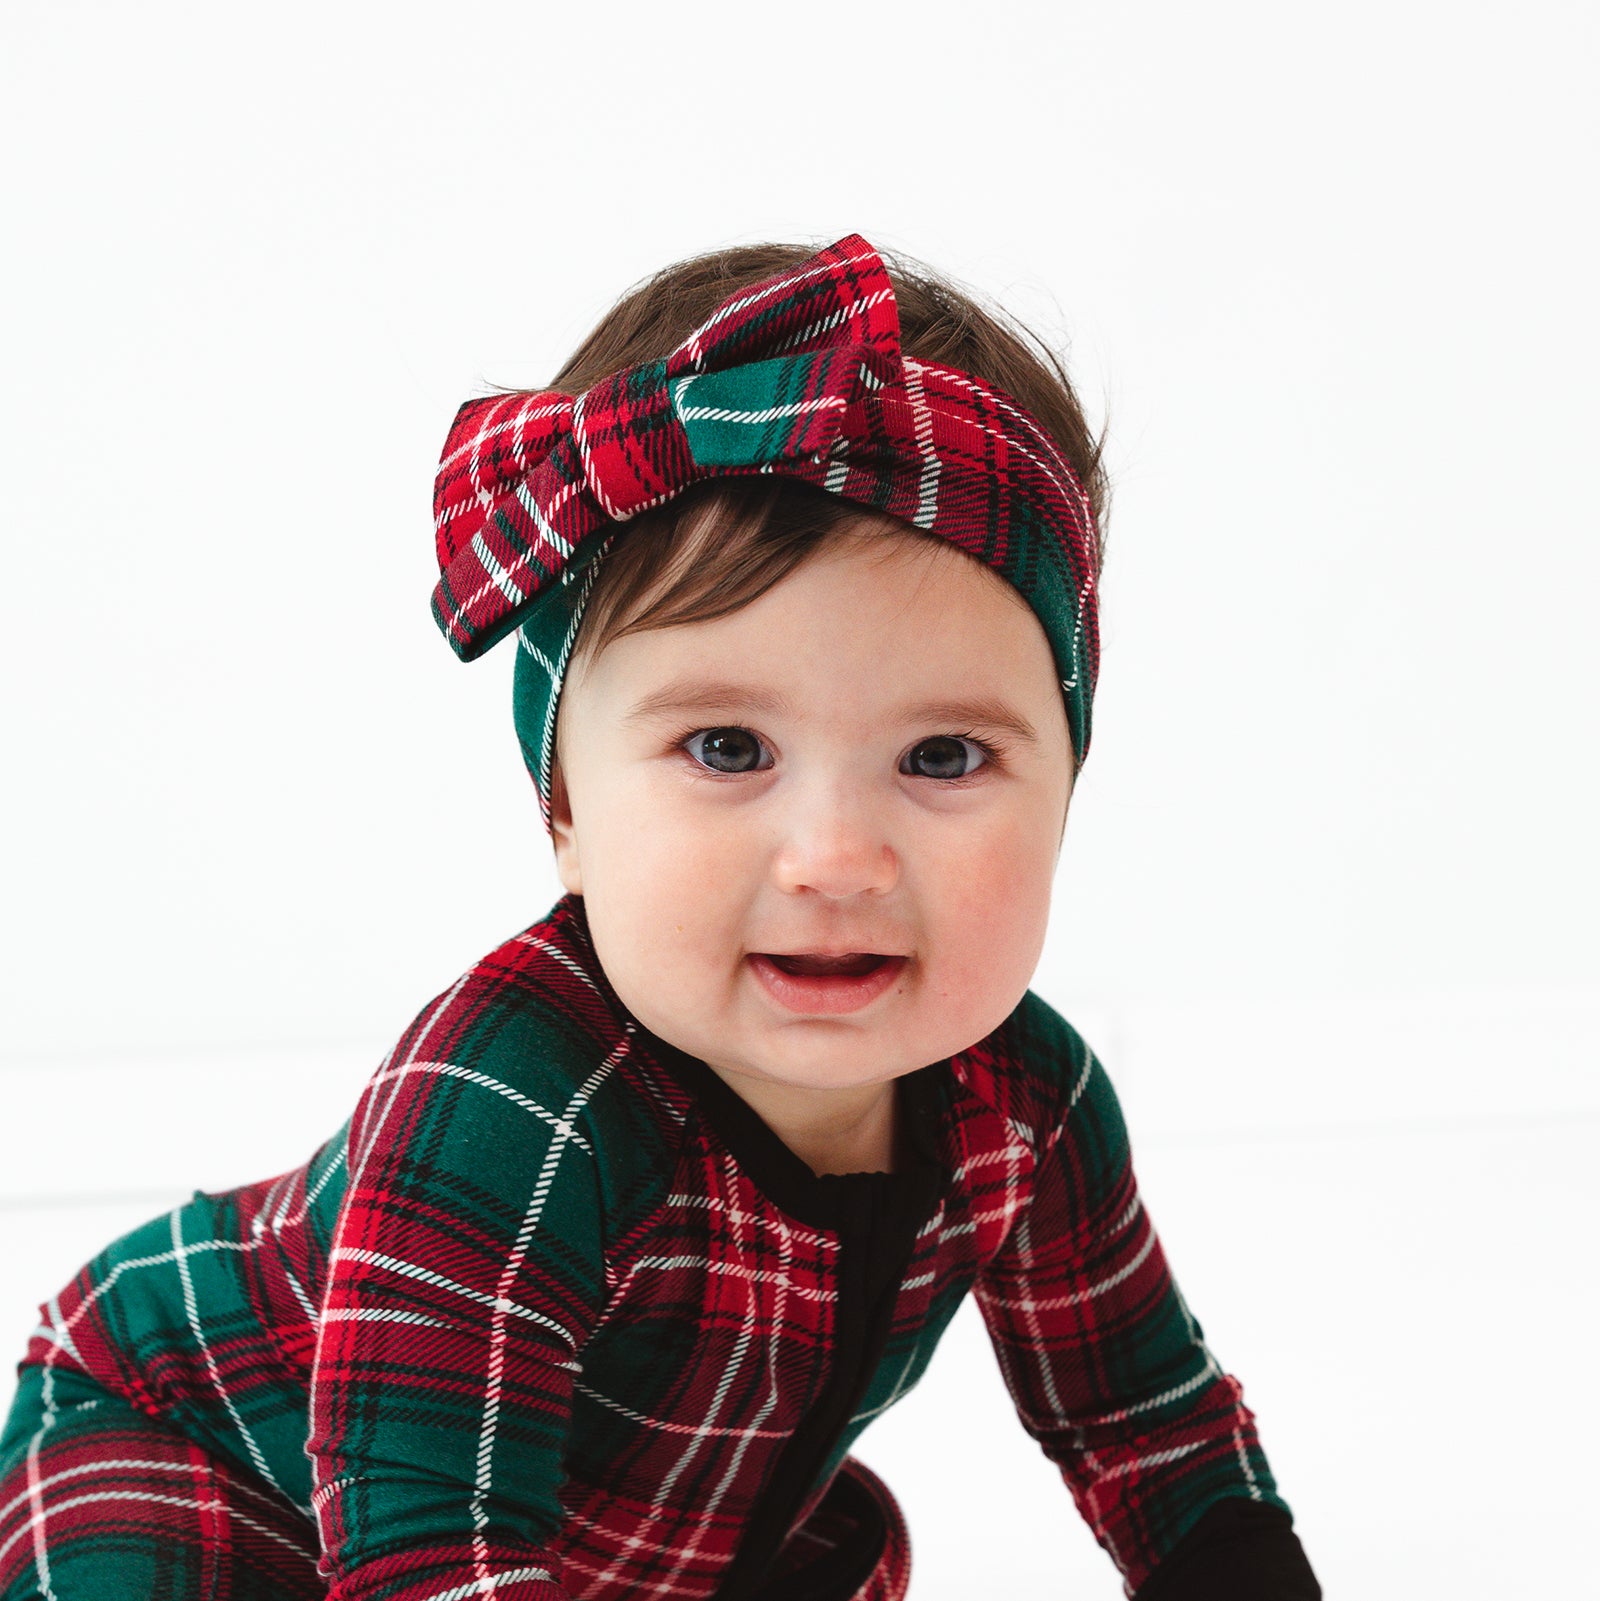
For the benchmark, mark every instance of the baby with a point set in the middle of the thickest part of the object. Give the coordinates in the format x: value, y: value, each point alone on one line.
x: 650, y: 1213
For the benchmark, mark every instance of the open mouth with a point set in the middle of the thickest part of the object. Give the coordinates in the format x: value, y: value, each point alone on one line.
x: 824, y: 985
x: 856, y: 965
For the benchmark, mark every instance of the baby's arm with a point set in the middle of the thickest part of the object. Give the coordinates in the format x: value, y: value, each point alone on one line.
x: 464, y: 1275
x: 1110, y: 1372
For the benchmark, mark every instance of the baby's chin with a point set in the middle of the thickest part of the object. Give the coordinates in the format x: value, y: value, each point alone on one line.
x: 817, y: 1072
x: 818, y: 1054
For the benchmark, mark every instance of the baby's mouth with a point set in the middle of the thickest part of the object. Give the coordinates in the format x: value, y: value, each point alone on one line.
x: 855, y: 965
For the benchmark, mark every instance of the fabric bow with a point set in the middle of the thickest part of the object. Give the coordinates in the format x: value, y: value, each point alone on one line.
x: 526, y: 479
x: 801, y: 375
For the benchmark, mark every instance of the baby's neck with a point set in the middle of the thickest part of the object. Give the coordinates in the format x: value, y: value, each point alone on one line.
x: 831, y: 1131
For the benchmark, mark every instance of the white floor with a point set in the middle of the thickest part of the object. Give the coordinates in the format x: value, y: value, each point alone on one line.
x: 1411, y: 1309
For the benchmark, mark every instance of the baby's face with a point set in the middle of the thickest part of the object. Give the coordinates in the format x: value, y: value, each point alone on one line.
x: 803, y: 775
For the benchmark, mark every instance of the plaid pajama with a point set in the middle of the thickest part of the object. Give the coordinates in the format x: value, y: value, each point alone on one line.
x: 555, y: 1315
x: 106, y: 1503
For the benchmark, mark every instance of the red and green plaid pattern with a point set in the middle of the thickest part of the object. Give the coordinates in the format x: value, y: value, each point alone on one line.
x: 527, y: 1327
x: 801, y: 375
x: 105, y: 1503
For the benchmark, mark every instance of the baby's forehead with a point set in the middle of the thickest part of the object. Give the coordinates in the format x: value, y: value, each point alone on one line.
x: 877, y: 626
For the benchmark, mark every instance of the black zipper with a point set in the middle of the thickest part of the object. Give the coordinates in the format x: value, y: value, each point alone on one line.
x: 877, y: 1230
x: 877, y: 1217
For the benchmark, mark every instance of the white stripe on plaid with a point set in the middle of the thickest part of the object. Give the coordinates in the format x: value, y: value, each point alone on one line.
x: 60, y: 1335
x: 928, y: 484
x: 283, y: 1219
x: 87, y: 1467
x: 35, y: 1525
x: 498, y: 576
x: 1052, y: 465
x: 584, y: 455
x: 484, y: 1081
x: 380, y: 1314
x: 535, y: 943
x: 547, y: 735
x: 566, y: 1134
x: 463, y: 608
x: 181, y: 1254
x: 488, y: 1584
x: 781, y: 286
x: 547, y: 530
x: 768, y: 414
x: 489, y: 431
x: 423, y: 1275
x: 440, y: 1009
x: 663, y: 1427
x: 856, y: 309
x: 1122, y: 1413
x: 1054, y: 1303
x: 485, y: 431
x: 838, y: 468
x: 1244, y: 1463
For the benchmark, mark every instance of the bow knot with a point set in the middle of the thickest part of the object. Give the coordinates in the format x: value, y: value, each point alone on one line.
x: 768, y: 380
x: 632, y: 450
x: 780, y: 410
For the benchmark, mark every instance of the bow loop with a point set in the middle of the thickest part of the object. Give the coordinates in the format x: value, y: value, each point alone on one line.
x: 495, y: 444
x: 839, y: 297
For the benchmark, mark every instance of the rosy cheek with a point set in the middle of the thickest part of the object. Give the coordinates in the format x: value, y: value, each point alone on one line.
x: 1000, y: 909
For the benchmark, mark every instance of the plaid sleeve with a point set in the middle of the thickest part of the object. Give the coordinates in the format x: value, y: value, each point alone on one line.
x: 1109, y: 1370
x: 465, y: 1273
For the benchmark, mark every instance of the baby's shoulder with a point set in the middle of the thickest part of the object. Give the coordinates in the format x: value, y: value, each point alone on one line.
x: 1039, y: 1073
x: 536, y: 1025
x: 541, y: 1000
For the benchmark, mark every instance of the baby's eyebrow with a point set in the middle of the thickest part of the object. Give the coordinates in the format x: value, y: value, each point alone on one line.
x: 700, y: 695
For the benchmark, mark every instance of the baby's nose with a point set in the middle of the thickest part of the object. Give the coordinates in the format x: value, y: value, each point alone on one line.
x: 837, y: 847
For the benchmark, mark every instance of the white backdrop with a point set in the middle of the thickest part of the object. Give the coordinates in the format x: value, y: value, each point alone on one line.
x: 1327, y: 900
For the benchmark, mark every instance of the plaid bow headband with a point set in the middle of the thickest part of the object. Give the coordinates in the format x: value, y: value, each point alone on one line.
x: 801, y: 375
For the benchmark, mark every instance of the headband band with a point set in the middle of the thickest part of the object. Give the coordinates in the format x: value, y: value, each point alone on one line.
x: 801, y: 375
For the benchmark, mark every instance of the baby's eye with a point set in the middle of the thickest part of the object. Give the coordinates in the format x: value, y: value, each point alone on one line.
x: 738, y: 748
x: 944, y: 756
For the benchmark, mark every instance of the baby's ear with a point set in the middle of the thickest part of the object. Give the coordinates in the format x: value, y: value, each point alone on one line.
x: 563, y: 835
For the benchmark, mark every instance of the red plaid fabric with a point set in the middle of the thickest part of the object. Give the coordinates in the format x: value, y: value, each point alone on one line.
x: 544, y: 1318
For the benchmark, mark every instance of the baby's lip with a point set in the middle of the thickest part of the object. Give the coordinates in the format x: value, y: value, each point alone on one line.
x: 832, y: 954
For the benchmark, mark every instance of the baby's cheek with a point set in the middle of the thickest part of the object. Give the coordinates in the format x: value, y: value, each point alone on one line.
x: 1001, y: 907
x: 669, y: 893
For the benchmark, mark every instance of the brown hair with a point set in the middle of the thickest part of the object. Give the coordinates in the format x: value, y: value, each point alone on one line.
x: 724, y: 542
